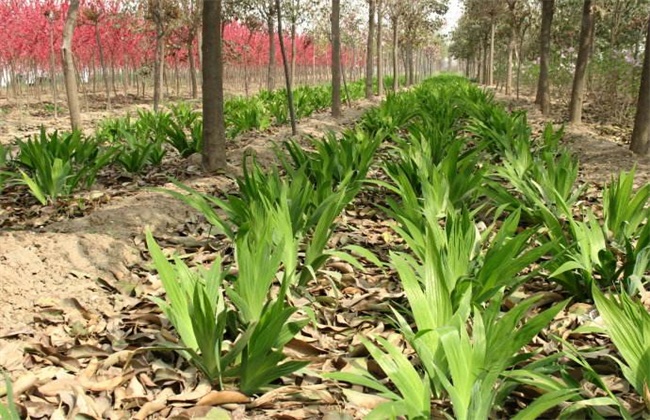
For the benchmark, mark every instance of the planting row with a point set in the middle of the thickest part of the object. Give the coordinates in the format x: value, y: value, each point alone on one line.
x: 483, y: 209
x: 55, y: 165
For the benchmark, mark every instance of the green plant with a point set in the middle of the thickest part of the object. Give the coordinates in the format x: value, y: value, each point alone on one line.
x: 186, y: 141
x: 627, y: 323
x: 9, y: 411
x: 56, y: 164
x: 244, y: 115
x: 51, y: 180
x: 152, y: 126
x: 412, y: 397
x: 184, y: 115
x: 136, y: 152
x: 624, y: 210
x: 477, y: 363
x: 196, y: 307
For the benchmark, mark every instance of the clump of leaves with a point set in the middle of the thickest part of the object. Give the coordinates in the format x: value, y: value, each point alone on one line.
x: 198, y: 310
x: 627, y: 323
x: 56, y: 164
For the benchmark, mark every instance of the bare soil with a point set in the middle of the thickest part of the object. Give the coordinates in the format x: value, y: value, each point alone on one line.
x: 603, y: 150
x: 67, y: 274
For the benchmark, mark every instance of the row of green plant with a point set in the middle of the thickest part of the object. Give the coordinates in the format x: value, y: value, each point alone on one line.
x: 57, y: 164
x: 461, y: 162
x: 279, y: 226
x: 482, y: 208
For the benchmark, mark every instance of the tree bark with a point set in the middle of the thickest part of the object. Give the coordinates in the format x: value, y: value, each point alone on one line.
x: 190, y: 59
x: 270, y: 78
x: 102, y: 64
x: 380, y: 69
x: 68, y: 65
x: 336, y: 59
x: 641, y: 133
x: 511, y: 50
x: 410, y: 62
x: 158, y: 71
x: 543, y: 98
x: 287, y: 76
x: 490, y: 72
x: 395, y: 54
x: 293, y: 48
x: 369, y: 47
x: 214, y: 130
x: 579, y: 79
x: 53, y: 68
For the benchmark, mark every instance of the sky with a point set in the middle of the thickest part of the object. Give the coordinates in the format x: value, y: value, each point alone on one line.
x: 452, y: 16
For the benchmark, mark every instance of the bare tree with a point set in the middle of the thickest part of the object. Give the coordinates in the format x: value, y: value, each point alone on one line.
x: 94, y: 16
x: 380, y: 67
x: 214, y: 130
x: 287, y: 76
x: 543, y: 98
x: 50, y: 18
x: 641, y: 133
x: 162, y: 13
x: 336, y: 59
x: 579, y: 79
x: 369, y: 46
x: 68, y: 65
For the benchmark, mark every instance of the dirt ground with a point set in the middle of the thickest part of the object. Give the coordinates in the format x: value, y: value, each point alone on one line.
x: 63, y: 279
x: 603, y: 150
x: 62, y: 260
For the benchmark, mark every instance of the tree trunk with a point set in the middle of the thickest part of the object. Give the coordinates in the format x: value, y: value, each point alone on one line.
x: 380, y: 69
x: 336, y: 59
x: 641, y: 133
x: 102, y: 64
x: 511, y: 50
x: 293, y: 48
x: 490, y: 73
x: 158, y: 69
x: 410, y: 60
x: 214, y: 130
x: 53, y: 74
x: 190, y: 59
x: 586, y: 43
x: 369, y: 47
x: 395, y: 54
x: 543, y: 98
x: 68, y: 65
x: 287, y: 76
x: 270, y: 78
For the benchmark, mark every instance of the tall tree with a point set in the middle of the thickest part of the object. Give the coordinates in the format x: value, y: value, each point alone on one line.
x: 267, y: 10
x: 55, y: 100
x: 380, y: 64
x: 162, y: 13
x: 543, y: 98
x: 214, y: 130
x: 395, y: 11
x: 369, y: 46
x: 287, y: 75
x: 641, y: 133
x: 586, y: 44
x: 336, y: 58
x: 68, y: 65
x: 191, y: 16
x: 94, y: 15
x: 512, y: 39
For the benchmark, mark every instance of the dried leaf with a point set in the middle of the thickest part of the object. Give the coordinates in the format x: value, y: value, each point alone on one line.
x: 223, y: 397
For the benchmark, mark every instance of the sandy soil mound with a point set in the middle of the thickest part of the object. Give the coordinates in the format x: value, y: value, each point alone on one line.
x: 38, y: 269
